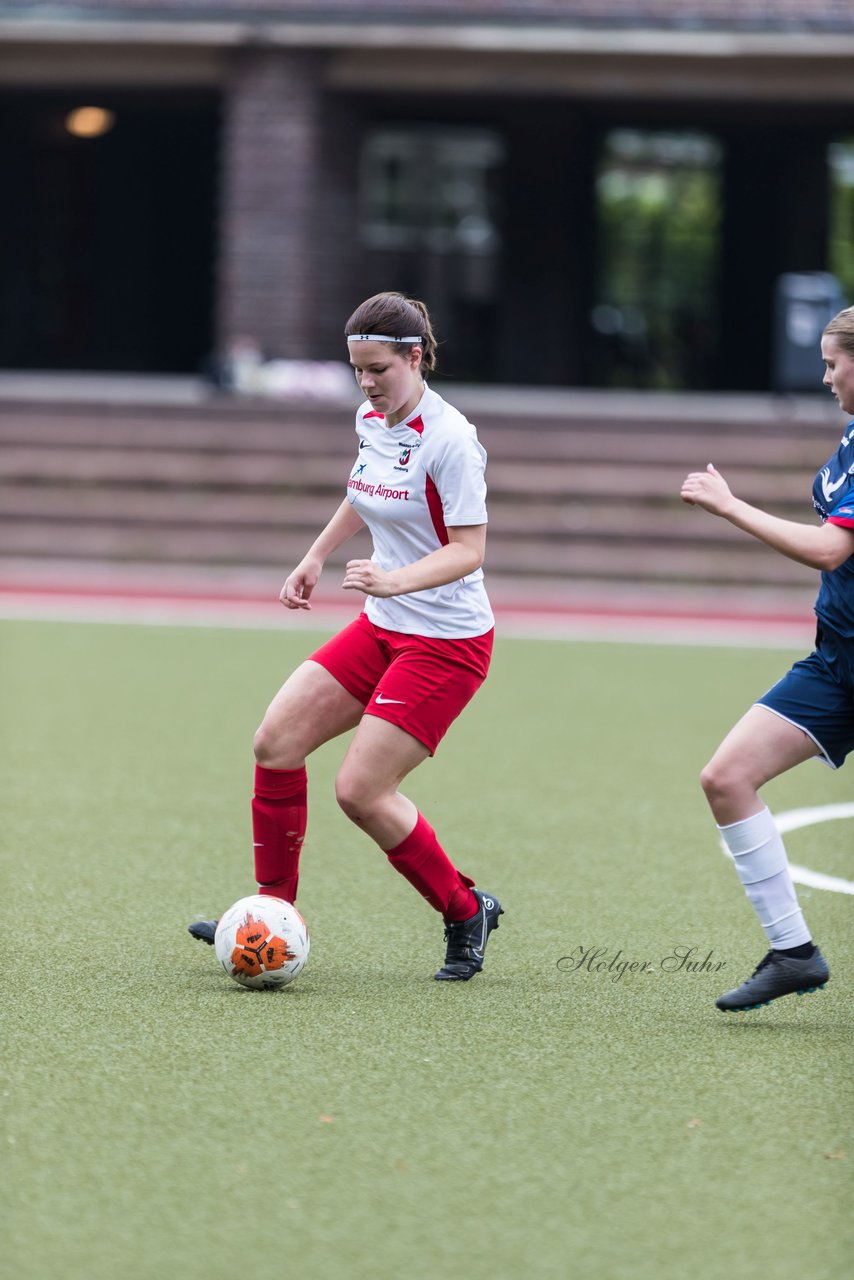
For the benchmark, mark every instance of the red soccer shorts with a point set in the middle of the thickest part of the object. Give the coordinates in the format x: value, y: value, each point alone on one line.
x: 419, y: 683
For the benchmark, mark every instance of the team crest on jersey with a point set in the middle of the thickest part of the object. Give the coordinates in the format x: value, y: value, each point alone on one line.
x: 405, y: 455
x: 829, y: 486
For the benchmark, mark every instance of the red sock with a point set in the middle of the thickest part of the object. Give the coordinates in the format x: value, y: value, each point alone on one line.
x: 279, y: 816
x: 424, y: 863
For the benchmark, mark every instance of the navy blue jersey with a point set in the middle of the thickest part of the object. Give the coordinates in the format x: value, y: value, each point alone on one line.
x: 833, y: 499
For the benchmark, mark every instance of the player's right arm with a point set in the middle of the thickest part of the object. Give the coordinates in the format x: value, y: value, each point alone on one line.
x: 302, y: 581
x: 823, y: 547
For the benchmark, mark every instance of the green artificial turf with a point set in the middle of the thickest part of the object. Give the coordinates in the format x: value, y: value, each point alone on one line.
x: 367, y: 1122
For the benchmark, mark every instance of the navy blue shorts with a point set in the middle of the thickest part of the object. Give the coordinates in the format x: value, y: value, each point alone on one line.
x: 817, y: 695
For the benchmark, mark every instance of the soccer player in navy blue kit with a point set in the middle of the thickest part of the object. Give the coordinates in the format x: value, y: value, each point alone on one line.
x: 807, y: 714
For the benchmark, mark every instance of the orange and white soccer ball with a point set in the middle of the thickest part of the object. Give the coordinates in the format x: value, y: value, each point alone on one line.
x: 262, y: 942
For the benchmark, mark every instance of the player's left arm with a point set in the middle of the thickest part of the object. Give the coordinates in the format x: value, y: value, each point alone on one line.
x: 462, y: 554
x: 824, y: 547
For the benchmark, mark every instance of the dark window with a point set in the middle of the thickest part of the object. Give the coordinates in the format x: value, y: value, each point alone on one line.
x: 841, y: 256
x: 429, y: 203
x: 430, y: 189
x: 658, y: 220
x: 107, y: 236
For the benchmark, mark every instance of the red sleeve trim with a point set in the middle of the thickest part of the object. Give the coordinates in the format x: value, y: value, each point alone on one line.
x: 437, y: 515
x: 847, y: 522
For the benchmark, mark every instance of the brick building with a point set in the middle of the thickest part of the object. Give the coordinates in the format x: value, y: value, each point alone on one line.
x: 587, y: 192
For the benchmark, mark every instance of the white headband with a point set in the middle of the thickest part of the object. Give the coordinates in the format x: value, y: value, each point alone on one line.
x: 378, y: 337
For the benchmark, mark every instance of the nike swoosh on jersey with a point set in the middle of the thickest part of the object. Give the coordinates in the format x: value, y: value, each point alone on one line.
x: 381, y: 700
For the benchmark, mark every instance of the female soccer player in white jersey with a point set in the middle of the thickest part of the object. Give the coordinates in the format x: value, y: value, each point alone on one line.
x: 403, y: 671
x: 809, y: 713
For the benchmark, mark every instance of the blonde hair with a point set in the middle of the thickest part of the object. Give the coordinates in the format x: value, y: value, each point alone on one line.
x: 399, y: 317
x: 841, y: 327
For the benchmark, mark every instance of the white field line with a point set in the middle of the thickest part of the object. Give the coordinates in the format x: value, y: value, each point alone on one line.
x: 792, y: 820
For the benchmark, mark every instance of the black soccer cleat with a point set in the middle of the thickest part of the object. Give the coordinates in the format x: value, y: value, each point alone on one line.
x: 776, y: 975
x: 467, y: 940
x: 204, y: 930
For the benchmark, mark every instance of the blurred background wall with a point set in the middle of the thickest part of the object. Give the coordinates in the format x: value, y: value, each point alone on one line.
x: 630, y: 220
x: 587, y: 193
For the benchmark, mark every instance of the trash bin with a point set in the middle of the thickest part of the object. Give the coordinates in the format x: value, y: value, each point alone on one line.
x: 803, y: 304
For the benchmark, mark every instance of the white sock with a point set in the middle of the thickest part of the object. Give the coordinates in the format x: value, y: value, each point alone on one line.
x: 760, y: 860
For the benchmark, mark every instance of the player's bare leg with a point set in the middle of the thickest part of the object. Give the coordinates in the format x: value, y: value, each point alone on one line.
x: 310, y: 708
x: 378, y: 759
x: 761, y: 747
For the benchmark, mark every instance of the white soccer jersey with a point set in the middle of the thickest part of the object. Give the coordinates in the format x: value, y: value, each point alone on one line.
x: 410, y: 484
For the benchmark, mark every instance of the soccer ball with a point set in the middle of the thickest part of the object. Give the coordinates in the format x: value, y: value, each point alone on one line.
x: 262, y: 942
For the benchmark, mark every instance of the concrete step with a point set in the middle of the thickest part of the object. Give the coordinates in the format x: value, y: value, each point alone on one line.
x: 197, y: 470
x: 317, y: 434
x: 587, y: 558
x: 582, y: 488
x: 526, y: 516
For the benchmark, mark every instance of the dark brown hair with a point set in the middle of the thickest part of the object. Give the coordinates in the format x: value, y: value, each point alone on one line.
x: 396, y: 316
x: 841, y: 327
